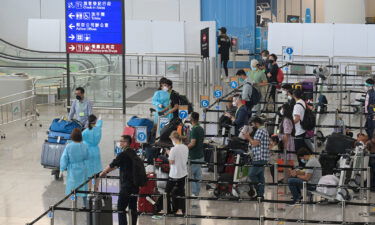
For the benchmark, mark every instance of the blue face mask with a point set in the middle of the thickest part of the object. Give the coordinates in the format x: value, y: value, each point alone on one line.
x: 253, y: 68
x: 303, y: 160
x: 241, y: 80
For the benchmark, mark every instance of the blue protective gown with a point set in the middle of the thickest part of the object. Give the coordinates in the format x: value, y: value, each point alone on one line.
x: 74, y: 160
x: 160, y: 98
x: 92, y: 139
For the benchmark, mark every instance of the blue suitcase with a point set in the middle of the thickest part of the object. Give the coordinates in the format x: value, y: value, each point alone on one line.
x: 57, y: 137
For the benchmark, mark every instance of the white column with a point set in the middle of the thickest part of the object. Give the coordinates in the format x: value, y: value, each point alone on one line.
x: 344, y: 11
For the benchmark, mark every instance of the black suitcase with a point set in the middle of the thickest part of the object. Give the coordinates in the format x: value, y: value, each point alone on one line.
x: 100, y: 202
x: 339, y: 144
x: 328, y: 163
x: 51, y: 154
x: 167, y: 130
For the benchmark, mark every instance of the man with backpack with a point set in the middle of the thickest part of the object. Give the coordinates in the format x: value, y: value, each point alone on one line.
x: 249, y: 94
x: 132, y: 176
x: 370, y: 107
x: 303, y: 120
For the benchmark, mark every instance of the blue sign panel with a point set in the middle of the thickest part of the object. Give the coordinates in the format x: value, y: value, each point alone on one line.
x: 234, y: 84
x: 141, y: 134
x: 218, y: 93
x: 183, y: 114
x: 205, y: 103
x: 289, y: 51
x: 94, y: 27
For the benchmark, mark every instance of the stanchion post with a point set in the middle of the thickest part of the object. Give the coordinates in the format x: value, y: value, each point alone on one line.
x: 129, y: 212
x: 343, y: 211
x: 51, y: 215
x: 208, y: 77
x: 185, y: 82
x: 304, y: 198
x: 165, y: 208
x: 276, y: 179
x: 187, y: 194
x: 197, y: 91
x: 260, y: 210
x: 74, y: 206
x: 368, y: 184
x: 191, y: 82
x: 215, y: 164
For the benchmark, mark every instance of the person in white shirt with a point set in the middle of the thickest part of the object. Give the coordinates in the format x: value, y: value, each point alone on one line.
x: 178, y: 158
x: 298, y: 114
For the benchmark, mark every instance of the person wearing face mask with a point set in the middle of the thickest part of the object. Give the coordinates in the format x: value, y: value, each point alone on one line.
x: 174, y: 100
x: 311, y: 175
x: 265, y: 54
x: 271, y: 72
x: 241, y: 116
x: 161, y: 99
x: 260, y: 154
x: 81, y: 107
x: 287, y: 91
x: 287, y: 131
x: 370, y: 107
x: 247, y: 91
x: 259, y: 80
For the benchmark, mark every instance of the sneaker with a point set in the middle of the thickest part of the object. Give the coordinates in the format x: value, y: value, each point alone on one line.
x: 155, y: 217
x: 295, y: 203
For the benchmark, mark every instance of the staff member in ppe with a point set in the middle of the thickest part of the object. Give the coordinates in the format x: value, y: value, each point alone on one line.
x: 74, y: 161
x: 161, y: 99
x: 81, y: 107
x: 92, y: 137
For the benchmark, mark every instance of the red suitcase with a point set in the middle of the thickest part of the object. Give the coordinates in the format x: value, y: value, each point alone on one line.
x: 131, y: 132
x: 145, y: 206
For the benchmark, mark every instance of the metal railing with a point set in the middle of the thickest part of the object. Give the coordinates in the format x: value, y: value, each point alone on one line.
x: 17, y: 107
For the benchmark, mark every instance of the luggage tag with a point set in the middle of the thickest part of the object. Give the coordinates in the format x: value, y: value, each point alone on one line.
x: 58, y: 139
x: 81, y: 114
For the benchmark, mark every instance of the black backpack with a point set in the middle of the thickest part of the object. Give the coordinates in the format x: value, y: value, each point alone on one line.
x: 255, y: 95
x: 139, y: 171
x: 183, y: 100
x: 309, y: 120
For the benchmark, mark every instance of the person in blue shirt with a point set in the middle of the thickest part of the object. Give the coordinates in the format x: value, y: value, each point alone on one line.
x: 161, y: 99
x: 74, y: 161
x: 81, y: 107
x: 241, y: 118
x: 92, y: 137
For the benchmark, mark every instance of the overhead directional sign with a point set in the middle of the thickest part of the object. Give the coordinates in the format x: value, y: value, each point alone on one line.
x: 94, y: 27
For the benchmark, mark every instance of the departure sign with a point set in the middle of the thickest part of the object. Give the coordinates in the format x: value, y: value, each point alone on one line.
x: 94, y: 27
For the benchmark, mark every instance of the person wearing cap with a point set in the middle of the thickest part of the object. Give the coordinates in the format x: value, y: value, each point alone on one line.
x: 370, y: 107
x: 224, y: 45
x: 260, y: 154
x: 259, y: 80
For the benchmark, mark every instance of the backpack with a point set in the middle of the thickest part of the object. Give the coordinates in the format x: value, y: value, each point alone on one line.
x: 255, y: 95
x: 309, y: 120
x: 371, y: 100
x: 280, y: 76
x: 139, y: 171
x: 183, y: 100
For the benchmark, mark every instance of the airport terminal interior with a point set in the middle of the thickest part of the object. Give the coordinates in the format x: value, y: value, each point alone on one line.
x: 187, y: 112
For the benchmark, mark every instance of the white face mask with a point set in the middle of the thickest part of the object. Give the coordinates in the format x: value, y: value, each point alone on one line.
x: 284, y: 92
x: 234, y: 104
x: 264, y: 57
x: 165, y: 89
x: 282, y: 112
x: 290, y: 97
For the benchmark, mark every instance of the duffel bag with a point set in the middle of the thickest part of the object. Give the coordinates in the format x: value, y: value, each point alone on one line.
x: 141, y: 122
x: 339, y: 143
x: 64, y: 126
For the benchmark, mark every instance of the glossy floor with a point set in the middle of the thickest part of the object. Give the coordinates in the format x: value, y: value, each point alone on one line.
x: 27, y: 189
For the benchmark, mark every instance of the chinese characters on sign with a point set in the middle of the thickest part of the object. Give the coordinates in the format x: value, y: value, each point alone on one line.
x: 94, y: 27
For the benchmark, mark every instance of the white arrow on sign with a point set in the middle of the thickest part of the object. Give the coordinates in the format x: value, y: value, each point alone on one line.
x: 72, y: 37
x: 71, y: 26
x: 71, y: 15
x: 71, y: 47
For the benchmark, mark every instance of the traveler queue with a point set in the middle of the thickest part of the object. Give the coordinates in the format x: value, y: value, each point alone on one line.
x: 81, y: 158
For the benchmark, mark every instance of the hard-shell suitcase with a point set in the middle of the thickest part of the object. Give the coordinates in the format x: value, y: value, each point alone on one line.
x: 339, y: 144
x: 149, y: 189
x: 100, y: 202
x: 57, y: 137
x: 221, y: 160
x: 51, y: 154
